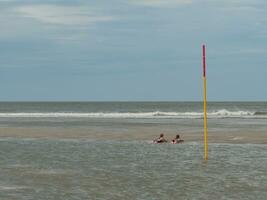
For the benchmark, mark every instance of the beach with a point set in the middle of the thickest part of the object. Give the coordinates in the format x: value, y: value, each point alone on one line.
x: 133, y: 100
x: 105, y: 151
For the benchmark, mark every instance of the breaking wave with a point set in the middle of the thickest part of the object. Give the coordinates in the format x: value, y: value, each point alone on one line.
x: 142, y: 115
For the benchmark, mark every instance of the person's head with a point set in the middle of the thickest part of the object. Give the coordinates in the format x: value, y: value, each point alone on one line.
x: 177, y: 136
x: 161, y: 135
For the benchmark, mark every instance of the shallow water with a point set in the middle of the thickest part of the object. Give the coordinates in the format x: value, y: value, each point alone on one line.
x: 91, y: 169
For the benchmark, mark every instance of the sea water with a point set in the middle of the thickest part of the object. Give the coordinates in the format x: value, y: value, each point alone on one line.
x: 76, y: 169
x: 64, y: 168
x: 184, y: 115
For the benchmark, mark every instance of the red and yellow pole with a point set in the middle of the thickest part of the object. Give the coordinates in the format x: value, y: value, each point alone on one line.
x: 205, y: 104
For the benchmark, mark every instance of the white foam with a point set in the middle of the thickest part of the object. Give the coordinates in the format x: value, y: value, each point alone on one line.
x: 11, y: 187
x: 237, y: 138
x: 150, y: 115
x: 232, y: 114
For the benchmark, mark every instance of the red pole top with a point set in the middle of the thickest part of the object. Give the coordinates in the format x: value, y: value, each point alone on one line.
x: 204, y: 59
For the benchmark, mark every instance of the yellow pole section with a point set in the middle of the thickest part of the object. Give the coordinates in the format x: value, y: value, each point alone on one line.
x: 205, y: 104
x: 205, y: 121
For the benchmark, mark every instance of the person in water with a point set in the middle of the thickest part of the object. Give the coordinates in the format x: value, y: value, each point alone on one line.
x: 161, y: 139
x: 177, y: 139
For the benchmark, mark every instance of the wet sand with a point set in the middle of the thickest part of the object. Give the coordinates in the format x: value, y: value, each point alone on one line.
x: 137, y: 133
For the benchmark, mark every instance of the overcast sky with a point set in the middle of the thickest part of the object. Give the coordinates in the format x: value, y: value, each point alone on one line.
x: 132, y: 50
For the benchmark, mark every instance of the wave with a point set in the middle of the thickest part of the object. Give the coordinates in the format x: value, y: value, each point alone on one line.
x: 142, y: 115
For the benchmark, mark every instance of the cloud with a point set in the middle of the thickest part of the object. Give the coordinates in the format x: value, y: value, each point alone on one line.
x: 161, y: 3
x: 62, y: 15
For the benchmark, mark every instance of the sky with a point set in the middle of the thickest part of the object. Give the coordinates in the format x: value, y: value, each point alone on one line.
x: 132, y: 50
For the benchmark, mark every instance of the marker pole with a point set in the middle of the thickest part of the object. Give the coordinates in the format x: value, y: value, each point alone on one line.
x: 205, y: 104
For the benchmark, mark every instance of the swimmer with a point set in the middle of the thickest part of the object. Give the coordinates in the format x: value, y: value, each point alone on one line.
x: 177, y: 140
x: 161, y: 139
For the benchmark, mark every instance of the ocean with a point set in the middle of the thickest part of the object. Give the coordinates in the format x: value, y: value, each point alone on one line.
x: 103, y: 150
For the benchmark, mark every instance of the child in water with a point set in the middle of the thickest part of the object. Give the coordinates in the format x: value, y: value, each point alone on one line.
x: 161, y: 139
x: 177, y: 140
